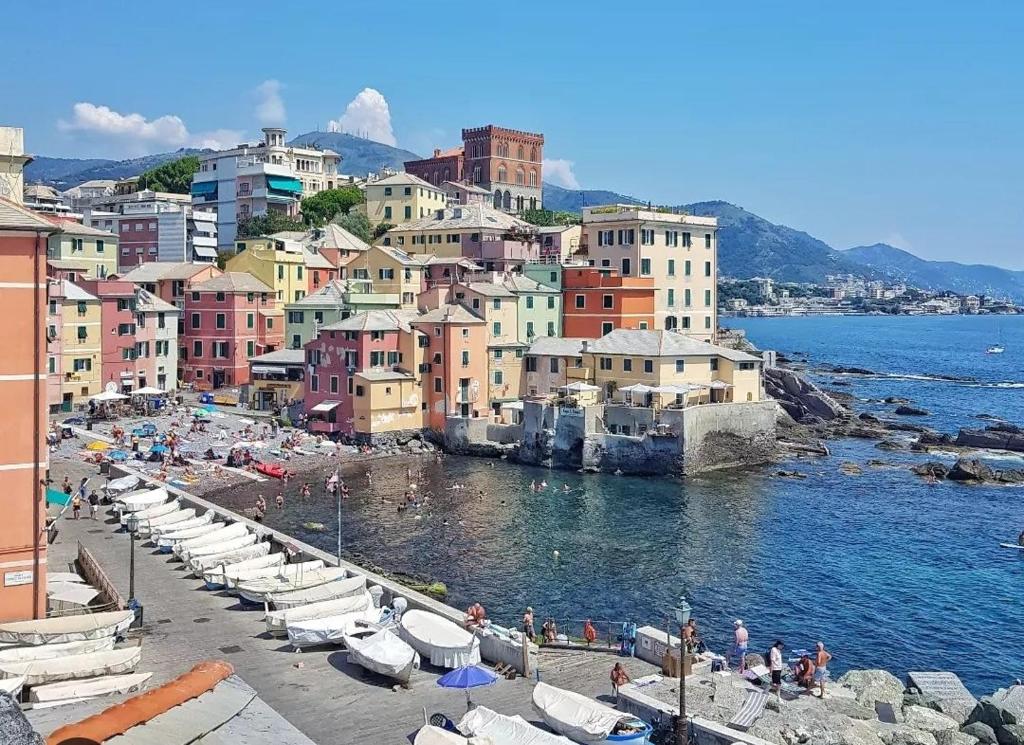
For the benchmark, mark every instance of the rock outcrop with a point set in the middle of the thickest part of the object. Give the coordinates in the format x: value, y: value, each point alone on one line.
x: 801, y: 398
x: 995, y: 437
x: 870, y: 686
x: 1002, y: 713
x: 931, y: 468
x: 970, y: 469
x: 905, y: 410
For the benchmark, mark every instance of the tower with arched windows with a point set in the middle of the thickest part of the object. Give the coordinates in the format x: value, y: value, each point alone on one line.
x: 508, y: 163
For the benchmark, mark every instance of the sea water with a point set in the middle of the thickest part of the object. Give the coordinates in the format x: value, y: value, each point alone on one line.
x: 886, y: 569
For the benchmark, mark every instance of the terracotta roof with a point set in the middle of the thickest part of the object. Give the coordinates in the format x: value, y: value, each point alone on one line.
x: 232, y: 282
x: 15, y: 217
x: 449, y: 314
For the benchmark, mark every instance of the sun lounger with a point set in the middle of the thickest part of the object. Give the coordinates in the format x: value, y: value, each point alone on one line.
x: 751, y: 709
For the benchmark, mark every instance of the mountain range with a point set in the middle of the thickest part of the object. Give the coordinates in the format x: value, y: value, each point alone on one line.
x: 748, y: 245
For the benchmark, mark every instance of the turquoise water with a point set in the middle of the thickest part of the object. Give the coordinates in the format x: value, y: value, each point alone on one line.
x: 887, y: 570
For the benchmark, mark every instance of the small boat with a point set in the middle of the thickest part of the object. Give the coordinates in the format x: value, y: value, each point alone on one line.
x: 74, y: 666
x: 167, y: 541
x: 198, y: 521
x: 171, y: 518
x: 219, y: 547
x: 141, y: 500
x: 154, y: 511
x: 277, y: 620
x: 236, y: 578
x: 257, y: 591
x: 121, y: 485
x: 271, y: 469
x: 342, y: 587
x: 332, y: 629
x: 490, y: 726
x: 1012, y: 545
x: 995, y: 349
x: 200, y: 564
x: 233, y: 530
x: 216, y: 577
x: 51, y: 651
x: 12, y: 686
x: 67, y: 628
x: 437, y: 639
x: 383, y: 653
x: 86, y: 688
x: 585, y: 720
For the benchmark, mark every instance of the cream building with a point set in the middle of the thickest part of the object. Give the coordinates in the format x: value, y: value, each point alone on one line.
x: 678, y: 251
x: 74, y: 362
x: 94, y: 250
x: 401, y: 198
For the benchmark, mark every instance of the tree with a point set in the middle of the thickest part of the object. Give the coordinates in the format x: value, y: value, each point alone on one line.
x: 174, y: 177
x: 546, y: 218
x: 321, y: 208
x: 381, y: 229
x: 272, y: 222
x: 357, y: 224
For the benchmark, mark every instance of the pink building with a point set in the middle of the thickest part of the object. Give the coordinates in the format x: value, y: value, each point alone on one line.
x: 170, y: 280
x: 117, y: 331
x: 228, y: 319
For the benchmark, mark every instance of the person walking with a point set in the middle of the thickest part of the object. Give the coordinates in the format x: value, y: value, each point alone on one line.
x: 775, y: 665
x: 94, y: 504
x: 66, y: 486
x: 741, y: 639
x: 619, y: 678
x: 76, y: 506
x: 821, y: 659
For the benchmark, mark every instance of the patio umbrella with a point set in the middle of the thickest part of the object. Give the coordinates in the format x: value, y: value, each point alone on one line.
x: 117, y: 455
x: 158, y: 449
x: 467, y: 677
x: 97, y: 445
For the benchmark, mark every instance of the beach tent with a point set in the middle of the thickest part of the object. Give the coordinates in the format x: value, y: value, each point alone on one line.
x: 149, y: 391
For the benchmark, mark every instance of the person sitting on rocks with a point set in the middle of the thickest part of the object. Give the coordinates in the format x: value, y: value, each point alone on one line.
x: 805, y: 673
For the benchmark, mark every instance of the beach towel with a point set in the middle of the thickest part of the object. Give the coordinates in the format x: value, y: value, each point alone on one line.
x: 748, y: 713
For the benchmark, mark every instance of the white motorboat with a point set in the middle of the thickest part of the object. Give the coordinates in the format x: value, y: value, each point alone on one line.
x: 86, y: 688
x: 141, y: 500
x: 167, y: 541
x: 257, y: 591
x: 157, y: 510
x: 490, y: 726
x: 383, y: 653
x: 236, y: 578
x: 171, y: 518
x: 439, y: 640
x: 121, y: 485
x: 156, y: 531
x: 342, y: 587
x: 220, y: 547
x: 585, y: 720
x: 277, y: 620
x: 50, y: 651
x: 216, y: 576
x: 200, y: 564
x: 73, y: 667
x: 332, y: 629
x: 12, y: 686
x: 67, y: 628
x: 234, y: 530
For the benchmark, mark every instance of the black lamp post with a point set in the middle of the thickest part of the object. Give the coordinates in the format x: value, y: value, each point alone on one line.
x: 683, y: 612
x: 132, y: 524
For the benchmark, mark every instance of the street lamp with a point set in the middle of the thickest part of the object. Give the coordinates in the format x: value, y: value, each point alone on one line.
x: 132, y: 524
x: 682, y: 611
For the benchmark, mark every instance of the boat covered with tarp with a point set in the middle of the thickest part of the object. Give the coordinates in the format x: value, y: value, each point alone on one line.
x: 73, y: 628
x: 216, y: 576
x: 384, y: 653
x: 492, y: 727
x: 585, y: 720
x: 439, y: 640
x: 73, y: 667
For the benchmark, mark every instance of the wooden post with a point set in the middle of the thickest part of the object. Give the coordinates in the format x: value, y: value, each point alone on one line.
x: 526, y: 653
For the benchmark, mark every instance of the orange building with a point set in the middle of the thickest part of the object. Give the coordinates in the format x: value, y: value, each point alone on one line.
x: 596, y: 301
x: 23, y: 459
x: 454, y: 368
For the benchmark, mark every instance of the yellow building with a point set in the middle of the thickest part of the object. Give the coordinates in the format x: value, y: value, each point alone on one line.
x: 74, y: 356
x: 499, y: 307
x: 400, y: 198
x: 664, y: 368
x: 392, y: 272
x: 280, y: 263
x: 94, y: 250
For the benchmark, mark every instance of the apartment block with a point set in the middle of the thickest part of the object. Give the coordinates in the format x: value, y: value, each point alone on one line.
x: 598, y: 301
x: 400, y: 198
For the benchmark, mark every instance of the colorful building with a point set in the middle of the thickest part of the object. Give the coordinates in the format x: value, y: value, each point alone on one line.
x: 276, y: 379
x: 676, y: 251
x: 337, y: 245
x: 540, y: 306
x: 85, y: 246
x: 499, y: 308
x: 156, y: 341
x: 23, y: 399
x: 400, y: 198
x: 282, y: 264
x: 154, y: 226
x: 169, y: 280
x: 228, y: 320
x: 558, y: 243
x: 74, y: 360
x: 552, y: 363
x: 597, y: 301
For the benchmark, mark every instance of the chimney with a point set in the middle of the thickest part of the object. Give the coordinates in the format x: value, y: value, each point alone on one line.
x: 437, y: 152
x: 586, y: 345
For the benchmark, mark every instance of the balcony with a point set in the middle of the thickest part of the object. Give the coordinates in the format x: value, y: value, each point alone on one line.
x: 466, y: 395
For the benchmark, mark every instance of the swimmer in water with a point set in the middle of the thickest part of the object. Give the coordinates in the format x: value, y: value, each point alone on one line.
x: 565, y: 487
x: 280, y: 501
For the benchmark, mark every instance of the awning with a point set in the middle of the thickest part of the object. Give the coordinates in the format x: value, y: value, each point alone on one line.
x: 516, y: 405
x: 580, y: 387
x: 270, y: 369
x: 636, y: 388
x: 206, y: 252
x: 326, y: 406
x: 204, y: 188
x: 284, y: 183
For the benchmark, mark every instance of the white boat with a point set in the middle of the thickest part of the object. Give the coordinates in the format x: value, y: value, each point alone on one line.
x: 257, y: 591
x: 584, y: 720
x: 439, y: 640
x: 490, y: 726
x: 200, y: 564
x: 50, y: 651
x: 121, y: 485
x: 141, y: 500
x: 342, y: 587
x: 154, y: 511
x: 219, y: 547
x: 74, y: 666
x: 383, y: 653
x: 216, y: 577
x: 234, y: 530
x: 171, y: 518
x: 67, y: 628
x: 86, y: 688
x: 995, y: 349
x: 1017, y: 546
x: 12, y: 686
x: 156, y: 531
x: 277, y: 620
x: 166, y: 541
x: 62, y: 577
x: 241, y: 576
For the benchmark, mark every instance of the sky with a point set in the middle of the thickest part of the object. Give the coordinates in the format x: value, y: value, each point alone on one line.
x: 896, y: 122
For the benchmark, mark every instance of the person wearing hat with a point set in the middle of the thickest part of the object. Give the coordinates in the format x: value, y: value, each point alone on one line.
x: 528, y: 627
x: 741, y: 639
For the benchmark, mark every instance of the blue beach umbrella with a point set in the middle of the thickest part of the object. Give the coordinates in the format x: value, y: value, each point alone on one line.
x: 158, y: 449
x: 467, y: 677
x: 117, y: 455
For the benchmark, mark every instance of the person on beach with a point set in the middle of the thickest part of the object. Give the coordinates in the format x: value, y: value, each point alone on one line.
x: 805, y: 673
x: 550, y: 630
x: 280, y: 501
x: 94, y: 504
x: 306, y: 490
x: 528, y: 627
x: 775, y: 665
x: 821, y: 659
x: 589, y: 632
x: 76, y: 506
x: 619, y: 678
x: 741, y: 638
x: 66, y: 486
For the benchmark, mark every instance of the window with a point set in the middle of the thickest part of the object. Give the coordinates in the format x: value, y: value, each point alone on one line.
x: 161, y: 320
x: 498, y: 354
x: 529, y: 330
x: 707, y: 298
x: 609, y: 301
x: 250, y: 320
x: 747, y: 365
x: 707, y: 240
x: 531, y: 364
x: 314, y: 383
x: 387, y: 213
x: 280, y: 273
x: 387, y: 191
x: 648, y: 366
x: 605, y: 237
x: 125, y: 329
x: 376, y: 359
x: 220, y: 297
x: 686, y: 322
x: 220, y: 349
x: 686, y: 240
x: 627, y: 267
x: 686, y: 298
x: 627, y: 237
x: 646, y: 237
x: 51, y: 364
x: 465, y: 358
x: 607, y: 327
x: 496, y: 304
x: 671, y: 297
x: 197, y: 349
x: 83, y: 333
x: 499, y: 378
x: 671, y: 238
x: 360, y: 390
x: 502, y: 173
x: 222, y: 321
x: 680, y: 365
x: 643, y: 325
x: 554, y: 364
x: 437, y: 385
x: 645, y: 267
x: 627, y: 364
x: 551, y: 302
x: 298, y: 272
x: 270, y: 323
x: 496, y: 328
x: 296, y: 316
x: 606, y: 363
x: 707, y: 322
x: 408, y: 213
x: 581, y: 301
x: 334, y: 384
x: 707, y: 268
x: 713, y: 362
x: 83, y: 364
x: 77, y: 244
x: 386, y: 273
x: 686, y: 268
x: 529, y: 302
x: 81, y: 308
x: 99, y: 246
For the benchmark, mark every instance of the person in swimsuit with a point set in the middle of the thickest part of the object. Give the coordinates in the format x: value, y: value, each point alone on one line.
x: 821, y: 660
x: 741, y: 639
x: 619, y: 678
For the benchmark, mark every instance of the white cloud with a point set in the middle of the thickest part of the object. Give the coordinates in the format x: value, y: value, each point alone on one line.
x: 559, y: 172
x: 269, y: 104
x: 141, y: 134
x: 367, y: 115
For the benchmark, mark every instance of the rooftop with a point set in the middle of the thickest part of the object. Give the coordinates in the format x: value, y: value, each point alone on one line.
x: 72, y: 227
x: 281, y: 357
x: 335, y: 236
x: 146, y: 300
x: 465, y: 217
x: 373, y: 375
x: 557, y: 346
x: 519, y: 283
x: 469, y: 188
x: 375, y: 320
x: 617, y: 212
x: 154, y: 271
x: 232, y: 282
x: 662, y: 344
x: 402, y: 178
x: 316, y: 260
x: 70, y: 291
x: 399, y: 255
x: 450, y: 314
x: 15, y: 217
x: 488, y: 289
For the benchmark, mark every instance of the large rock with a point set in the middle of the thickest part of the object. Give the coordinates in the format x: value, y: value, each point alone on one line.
x: 1003, y: 708
x: 955, y: 737
x: 982, y: 732
x: 1010, y: 734
x: 901, y: 734
x: 928, y: 720
x: 1011, y: 476
x: 931, y: 437
x: 799, y: 396
x: 932, y: 468
x: 870, y: 686
x: 905, y: 410
x: 995, y: 437
x: 970, y: 469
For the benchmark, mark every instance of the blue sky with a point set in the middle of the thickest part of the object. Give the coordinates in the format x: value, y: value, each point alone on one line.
x: 857, y: 122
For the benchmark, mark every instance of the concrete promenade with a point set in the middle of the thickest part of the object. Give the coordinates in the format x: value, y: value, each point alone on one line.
x: 317, y: 690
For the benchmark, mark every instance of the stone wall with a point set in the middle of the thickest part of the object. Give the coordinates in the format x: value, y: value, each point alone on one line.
x: 650, y: 454
x: 723, y: 435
